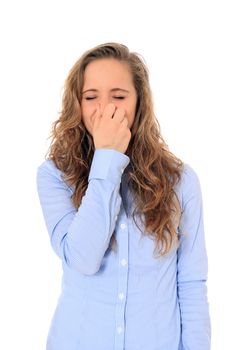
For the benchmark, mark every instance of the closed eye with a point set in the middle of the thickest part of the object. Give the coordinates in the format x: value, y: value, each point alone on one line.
x: 115, y: 97
x: 90, y: 98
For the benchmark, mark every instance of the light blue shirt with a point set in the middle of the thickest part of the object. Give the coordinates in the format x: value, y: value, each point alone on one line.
x: 127, y: 300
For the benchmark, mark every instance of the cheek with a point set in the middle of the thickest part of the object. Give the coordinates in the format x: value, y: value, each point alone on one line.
x: 131, y: 114
x: 83, y: 108
x: 86, y: 115
x: 131, y: 110
x: 86, y: 111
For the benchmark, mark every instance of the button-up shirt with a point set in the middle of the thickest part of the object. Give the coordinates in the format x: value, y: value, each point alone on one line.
x: 128, y: 299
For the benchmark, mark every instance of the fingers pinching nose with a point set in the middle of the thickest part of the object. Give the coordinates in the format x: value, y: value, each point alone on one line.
x: 99, y: 110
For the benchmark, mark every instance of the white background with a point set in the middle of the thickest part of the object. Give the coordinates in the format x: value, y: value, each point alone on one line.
x: 188, y: 48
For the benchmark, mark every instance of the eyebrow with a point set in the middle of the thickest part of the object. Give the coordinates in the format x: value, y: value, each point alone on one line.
x: 112, y: 90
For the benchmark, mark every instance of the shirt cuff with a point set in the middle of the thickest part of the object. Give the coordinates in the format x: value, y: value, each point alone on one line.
x: 108, y: 164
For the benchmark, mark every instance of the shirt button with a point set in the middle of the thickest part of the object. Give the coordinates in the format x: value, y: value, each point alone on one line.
x: 121, y: 296
x: 123, y: 226
x: 119, y: 329
x: 123, y: 262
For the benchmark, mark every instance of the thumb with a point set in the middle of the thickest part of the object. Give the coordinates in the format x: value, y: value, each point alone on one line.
x: 96, y: 116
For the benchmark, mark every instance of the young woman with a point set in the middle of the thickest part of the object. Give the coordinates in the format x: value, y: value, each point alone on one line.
x: 124, y: 215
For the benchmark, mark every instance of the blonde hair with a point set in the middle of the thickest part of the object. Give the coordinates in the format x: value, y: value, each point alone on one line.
x: 153, y: 170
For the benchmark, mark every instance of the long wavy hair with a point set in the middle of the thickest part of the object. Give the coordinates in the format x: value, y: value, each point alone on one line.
x: 153, y: 170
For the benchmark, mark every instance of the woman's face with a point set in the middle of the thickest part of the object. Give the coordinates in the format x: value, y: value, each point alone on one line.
x: 107, y: 80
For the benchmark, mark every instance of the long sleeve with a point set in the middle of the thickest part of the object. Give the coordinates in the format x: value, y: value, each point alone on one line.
x: 193, y: 267
x: 81, y: 237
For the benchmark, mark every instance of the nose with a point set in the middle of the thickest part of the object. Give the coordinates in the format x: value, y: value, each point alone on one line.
x: 103, y: 102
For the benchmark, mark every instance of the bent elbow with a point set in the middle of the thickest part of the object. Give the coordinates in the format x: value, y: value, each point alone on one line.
x: 83, y: 266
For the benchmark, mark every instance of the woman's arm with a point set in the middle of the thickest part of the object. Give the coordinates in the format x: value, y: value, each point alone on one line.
x: 192, y: 267
x: 81, y: 237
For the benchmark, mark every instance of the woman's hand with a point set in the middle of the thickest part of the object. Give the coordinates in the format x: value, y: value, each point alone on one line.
x: 110, y: 130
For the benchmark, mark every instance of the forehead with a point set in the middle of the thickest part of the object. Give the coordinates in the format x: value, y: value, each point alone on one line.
x: 107, y: 71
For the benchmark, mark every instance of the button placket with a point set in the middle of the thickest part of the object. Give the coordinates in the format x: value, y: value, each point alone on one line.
x: 119, y: 329
x: 123, y: 262
x: 122, y: 283
x: 121, y: 296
